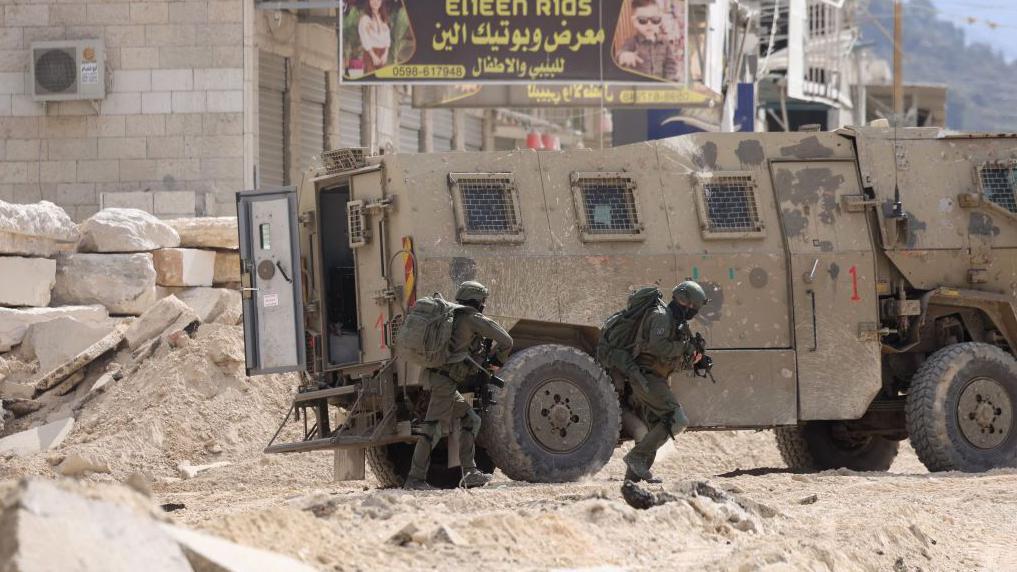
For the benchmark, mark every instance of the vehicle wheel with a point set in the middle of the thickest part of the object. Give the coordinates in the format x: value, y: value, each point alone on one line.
x: 821, y: 445
x: 391, y: 464
x: 960, y: 409
x: 557, y: 419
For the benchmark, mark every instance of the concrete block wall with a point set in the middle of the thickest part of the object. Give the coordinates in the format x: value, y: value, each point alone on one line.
x: 168, y: 138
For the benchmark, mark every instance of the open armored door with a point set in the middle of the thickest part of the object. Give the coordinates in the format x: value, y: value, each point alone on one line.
x: 270, y: 280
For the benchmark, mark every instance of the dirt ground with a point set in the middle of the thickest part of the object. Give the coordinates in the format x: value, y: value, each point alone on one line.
x: 192, y: 406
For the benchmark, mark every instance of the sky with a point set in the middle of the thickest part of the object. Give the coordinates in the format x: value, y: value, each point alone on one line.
x: 1002, y: 12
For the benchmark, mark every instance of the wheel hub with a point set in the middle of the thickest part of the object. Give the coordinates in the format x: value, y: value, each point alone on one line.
x: 559, y: 416
x: 985, y: 413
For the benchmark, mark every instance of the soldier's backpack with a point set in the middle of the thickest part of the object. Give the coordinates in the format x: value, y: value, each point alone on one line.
x: 619, y: 338
x: 424, y: 337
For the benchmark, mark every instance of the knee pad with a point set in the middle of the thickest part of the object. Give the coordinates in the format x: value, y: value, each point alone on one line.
x: 679, y: 422
x: 471, y: 422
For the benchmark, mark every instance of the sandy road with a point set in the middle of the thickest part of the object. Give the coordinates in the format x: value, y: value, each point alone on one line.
x: 906, y: 519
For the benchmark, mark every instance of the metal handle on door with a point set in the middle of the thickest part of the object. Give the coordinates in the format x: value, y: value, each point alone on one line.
x: 815, y: 332
x: 811, y: 276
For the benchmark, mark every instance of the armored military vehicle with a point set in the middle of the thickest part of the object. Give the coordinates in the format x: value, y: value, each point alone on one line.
x: 862, y: 281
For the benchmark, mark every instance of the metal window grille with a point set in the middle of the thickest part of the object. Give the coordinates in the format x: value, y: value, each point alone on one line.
x: 608, y: 203
x: 357, y: 224
x: 998, y: 183
x: 730, y: 205
x: 392, y: 330
x: 488, y: 206
x: 340, y: 160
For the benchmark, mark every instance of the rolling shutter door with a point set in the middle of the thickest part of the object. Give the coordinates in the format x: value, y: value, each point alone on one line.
x: 312, y: 114
x: 351, y: 108
x: 271, y: 120
x: 409, y: 129
x: 443, y: 130
x: 474, y: 133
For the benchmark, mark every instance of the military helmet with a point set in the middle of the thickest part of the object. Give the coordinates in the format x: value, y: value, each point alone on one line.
x: 471, y: 291
x: 690, y: 294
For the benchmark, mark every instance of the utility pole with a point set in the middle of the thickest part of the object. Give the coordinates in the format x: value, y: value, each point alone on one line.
x: 898, y: 61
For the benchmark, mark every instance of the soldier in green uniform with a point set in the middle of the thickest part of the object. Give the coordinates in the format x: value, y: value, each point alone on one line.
x: 662, y: 347
x: 470, y: 329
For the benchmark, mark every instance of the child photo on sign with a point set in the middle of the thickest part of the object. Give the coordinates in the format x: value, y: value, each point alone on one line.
x: 650, y: 38
x: 376, y: 34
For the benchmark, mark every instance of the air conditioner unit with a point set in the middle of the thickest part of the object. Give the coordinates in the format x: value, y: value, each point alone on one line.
x: 67, y: 70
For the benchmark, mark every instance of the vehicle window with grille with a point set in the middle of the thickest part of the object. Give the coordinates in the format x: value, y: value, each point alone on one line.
x: 730, y: 205
x: 609, y: 205
x: 488, y: 206
x: 998, y: 183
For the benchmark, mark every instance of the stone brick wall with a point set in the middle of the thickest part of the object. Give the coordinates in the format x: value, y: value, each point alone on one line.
x: 169, y: 136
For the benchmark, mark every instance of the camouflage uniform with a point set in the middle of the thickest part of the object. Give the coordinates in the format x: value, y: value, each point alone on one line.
x: 664, y: 346
x: 446, y: 403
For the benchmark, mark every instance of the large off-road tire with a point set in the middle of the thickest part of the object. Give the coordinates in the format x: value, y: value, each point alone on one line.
x: 391, y: 464
x: 557, y: 419
x: 960, y: 409
x: 818, y: 446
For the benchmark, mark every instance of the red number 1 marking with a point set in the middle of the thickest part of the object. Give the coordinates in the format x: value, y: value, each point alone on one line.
x: 854, y: 284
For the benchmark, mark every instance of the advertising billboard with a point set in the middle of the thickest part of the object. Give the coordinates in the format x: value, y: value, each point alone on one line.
x: 514, y: 41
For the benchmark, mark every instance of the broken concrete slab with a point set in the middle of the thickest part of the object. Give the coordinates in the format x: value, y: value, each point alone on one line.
x: 12, y: 390
x: 38, y: 439
x: 184, y: 267
x: 14, y: 323
x: 51, y: 525
x: 211, y: 554
x: 102, y: 382
x: 78, y: 464
x: 207, y: 232
x: 157, y: 319
x: 55, y: 342
x: 126, y: 230
x: 54, y: 377
x: 40, y: 229
x: 207, y: 303
x: 20, y: 407
x: 124, y: 283
x: 227, y: 267
x: 27, y: 281
x: 233, y: 315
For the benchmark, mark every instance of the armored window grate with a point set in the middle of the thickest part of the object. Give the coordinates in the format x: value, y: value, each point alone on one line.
x: 341, y: 160
x: 730, y: 205
x: 487, y: 208
x: 998, y: 184
x: 357, y: 225
x: 608, y: 204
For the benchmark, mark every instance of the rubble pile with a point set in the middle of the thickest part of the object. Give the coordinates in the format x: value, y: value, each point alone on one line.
x: 91, y: 303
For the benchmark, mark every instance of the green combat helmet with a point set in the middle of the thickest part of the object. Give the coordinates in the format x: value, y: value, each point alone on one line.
x: 471, y: 291
x: 690, y: 296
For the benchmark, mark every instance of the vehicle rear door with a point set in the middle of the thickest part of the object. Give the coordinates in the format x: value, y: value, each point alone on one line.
x: 270, y: 280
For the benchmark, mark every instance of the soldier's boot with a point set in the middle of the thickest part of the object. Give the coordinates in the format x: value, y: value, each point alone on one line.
x: 474, y: 478
x: 639, y: 460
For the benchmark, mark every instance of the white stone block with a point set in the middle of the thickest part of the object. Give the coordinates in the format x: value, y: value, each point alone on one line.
x: 174, y: 203
x: 207, y: 232
x: 220, y: 554
x: 156, y: 102
x: 57, y: 341
x: 24, y: 106
x: 225, y: 101
x: 140, y: 200
x: 26, y: 281
x: 19, y: 15
x: 156, y: 319
x: 122, y: 103
x: 218, y: 79
x: 184, y: 267
x: 227, y: 267
x: 122, y: 148
x: 6, y: 105
x: 207, y: 303
x: 188, y: 102
x: 12, y: 83
x: 172, y: 80
x: 124, y: 283
x: 132, y: 80
x: 126, y: 230
x: 41, y: 229
x: 38, y: 439
x: 14, y: 323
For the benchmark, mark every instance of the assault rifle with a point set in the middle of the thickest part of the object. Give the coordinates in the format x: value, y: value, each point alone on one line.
x: 704, y: 367
x: 480, y: 384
